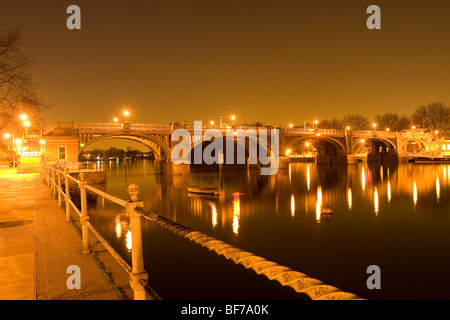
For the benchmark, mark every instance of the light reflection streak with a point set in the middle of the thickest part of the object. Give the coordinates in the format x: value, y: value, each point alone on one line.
x: 118, y: 229
x: 389, y: 192
x: 319, y: 203
x: 438, y: 189
x: 236, y: 212
x: 213, y: 214
x: 363, y: 179
x: 292, y: 205
x: 375, y: 201
x: 308, y: 177
x: 415, y: 194
x: 349, y: 198
x: 129, y: 242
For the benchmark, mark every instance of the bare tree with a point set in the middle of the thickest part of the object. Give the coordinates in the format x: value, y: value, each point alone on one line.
x: 393, y: 121
x: 357, y: 121
x: 433, y: 116
x: 17, y: 88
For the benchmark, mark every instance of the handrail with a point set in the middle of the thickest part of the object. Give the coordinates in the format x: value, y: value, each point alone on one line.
x: 105, y: 195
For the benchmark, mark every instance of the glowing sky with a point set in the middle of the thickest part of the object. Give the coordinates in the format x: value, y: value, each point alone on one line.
x: 273, y: 61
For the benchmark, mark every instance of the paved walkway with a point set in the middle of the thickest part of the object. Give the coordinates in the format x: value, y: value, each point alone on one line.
x: 37, y: 246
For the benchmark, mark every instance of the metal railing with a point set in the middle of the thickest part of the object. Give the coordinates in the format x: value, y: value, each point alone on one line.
x: 298, y: 281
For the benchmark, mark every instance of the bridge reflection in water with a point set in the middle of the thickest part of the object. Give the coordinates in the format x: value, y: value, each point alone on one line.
x: 396, y: 217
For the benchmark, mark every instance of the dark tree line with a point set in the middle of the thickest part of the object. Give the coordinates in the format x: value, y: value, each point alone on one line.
x: 432, y: 117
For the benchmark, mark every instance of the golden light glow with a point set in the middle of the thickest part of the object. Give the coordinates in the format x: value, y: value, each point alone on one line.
x: 115, y: 119
x: 374, y: 125
x: 349, y: 198
x: 118, y: 229
x: 126, y: 113
x: 42, y: 141
x: 363, y: 179
x: 438, y: 189
x: 211, y: 123
x: 308, y: 177
x: 129, y: 241
x: 362, y: 140
x: 26, y: 123
x: 319, y: 203
x: 236, y: 212
x: 292, y: 205
x: 6, y: 135
x: 290, y: 125
x: 387, y: 129
x: 288, y: 151
x: 18, y: 141
x: 213, y: 214
x: 348, y: 128
x: 23, y: 117
x: 375, y: 201
x: 389, y: 192
x: 233, y: 117
x: 415, y: 194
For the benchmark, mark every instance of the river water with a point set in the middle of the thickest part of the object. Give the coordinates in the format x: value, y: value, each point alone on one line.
x: 396, y: 217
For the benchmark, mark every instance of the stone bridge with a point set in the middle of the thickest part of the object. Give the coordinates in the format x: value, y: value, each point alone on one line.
x: 328, y: 145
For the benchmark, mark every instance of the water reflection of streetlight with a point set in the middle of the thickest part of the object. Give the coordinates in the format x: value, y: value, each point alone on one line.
x: 129, y: 241
x: 349, y: 198
x: 363, y: 179
x: 236, y: 212
x: 213, y: 213
x: 292, y: 205
x: 389, y: 192
x: 308, y: 177
x: 375, y: 201
x: 438, y: 189
x: 319, y: 203
x: 415, y: 194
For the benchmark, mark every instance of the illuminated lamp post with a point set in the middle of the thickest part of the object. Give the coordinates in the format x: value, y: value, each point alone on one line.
x: 26, y: 124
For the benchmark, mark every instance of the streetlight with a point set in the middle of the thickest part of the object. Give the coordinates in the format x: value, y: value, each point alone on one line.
x: 18, y: 142
x: 307, y: 144
x: 7, y: 136
x: 233, y: 117
x: 387, y: 129
x: 26, y: 124
x: 116, y: 119
x: 316, y: 122
x: 211, y: 123
x: 23, y: 117
x: 291, y: 125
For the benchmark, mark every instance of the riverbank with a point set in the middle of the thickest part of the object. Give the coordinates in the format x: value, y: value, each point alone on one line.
x: 37, y: 246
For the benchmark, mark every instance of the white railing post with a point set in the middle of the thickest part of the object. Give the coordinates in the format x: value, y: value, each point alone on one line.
x: 84, y: 214
x: 59, y: 189
x: 137, y: 256
x: 67, y: 192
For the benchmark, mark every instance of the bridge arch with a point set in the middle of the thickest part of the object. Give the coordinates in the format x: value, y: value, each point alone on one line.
x: 420, y: 141
x: 386, y: 141
x: 237, y: 143
x: 159, y: 148
x: 339, y: 145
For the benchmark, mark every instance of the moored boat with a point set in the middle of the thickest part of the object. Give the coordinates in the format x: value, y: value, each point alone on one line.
x: 430, y: 159
x: 210, y: 190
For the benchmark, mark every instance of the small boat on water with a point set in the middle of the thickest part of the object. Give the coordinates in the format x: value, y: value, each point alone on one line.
x: 430, y: 159
x: 210, y: 190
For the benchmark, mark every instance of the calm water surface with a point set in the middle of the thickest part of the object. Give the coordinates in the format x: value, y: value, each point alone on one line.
x: 394, y: 216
